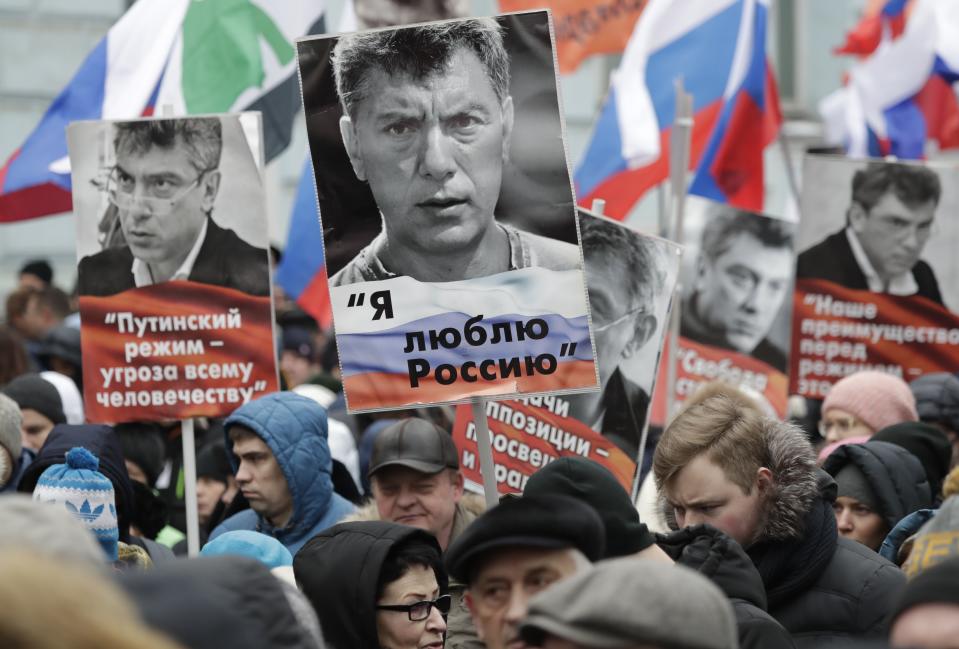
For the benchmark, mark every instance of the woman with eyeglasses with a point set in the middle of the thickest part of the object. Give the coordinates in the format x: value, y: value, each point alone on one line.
x: 863, y: 403
x: 376, y: 585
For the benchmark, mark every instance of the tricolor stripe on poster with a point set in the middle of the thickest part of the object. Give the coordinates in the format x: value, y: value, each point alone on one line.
x: 197, y: 57
x: 736, y: 110
x: 377, y: 355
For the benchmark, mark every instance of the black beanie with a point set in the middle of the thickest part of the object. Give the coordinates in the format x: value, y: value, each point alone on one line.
x: 851, y: 483
x: 32, y: 391
x: 929, y: 444
x: 594, y: 485
x: 936, y: 585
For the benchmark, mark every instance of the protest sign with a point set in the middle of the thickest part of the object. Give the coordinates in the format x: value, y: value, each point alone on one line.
x: 174, y: 275
x: 586, y: 27
x: 736, y: 281
x: 631, y: 279
x: 878, y: 245
x: 444, y: 286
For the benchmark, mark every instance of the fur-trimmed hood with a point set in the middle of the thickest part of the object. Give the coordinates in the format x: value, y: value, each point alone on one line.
x: 795, y: 483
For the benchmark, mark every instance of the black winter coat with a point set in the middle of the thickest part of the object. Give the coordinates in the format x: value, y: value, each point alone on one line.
x: 718, y: 557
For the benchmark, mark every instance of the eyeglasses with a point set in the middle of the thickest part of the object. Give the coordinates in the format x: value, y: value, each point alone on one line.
x: 603, y: 327
x: 419, y: 611
x: 159, y: 196
x: 842, y: 426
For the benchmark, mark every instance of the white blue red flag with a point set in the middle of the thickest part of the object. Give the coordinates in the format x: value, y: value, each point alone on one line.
x: 735, y: 104
x: 192, y: 55
x: 900, y: 95
x: 302, y: 270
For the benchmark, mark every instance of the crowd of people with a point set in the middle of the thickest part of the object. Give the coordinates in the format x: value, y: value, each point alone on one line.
x: 325, y: 529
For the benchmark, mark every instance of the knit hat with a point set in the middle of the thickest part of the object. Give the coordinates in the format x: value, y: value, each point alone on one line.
x: 929, y: 444
x: 624, y: 603
x: 246, y: 543
x: 937, y: 585
x: 852, y: 483
x: 937, y: 398
x: 70, y: 396
x: 936, y: 541
x: 594, y: 485
x: 36, y: 393
x: 875, y: 398
x: 10, y: 421
x: 46, y: 529
x: 84, y: 492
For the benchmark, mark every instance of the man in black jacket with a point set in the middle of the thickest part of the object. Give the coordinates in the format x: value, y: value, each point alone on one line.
x: 163, y: 189
x: 888, y: 223
x: 723, y: 462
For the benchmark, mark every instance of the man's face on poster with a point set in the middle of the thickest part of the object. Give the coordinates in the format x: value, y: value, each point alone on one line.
x: 432, y: 151
x: 739, y: 292
x: 892, y: 233
x: 621, y: 324
x: 162, y: 200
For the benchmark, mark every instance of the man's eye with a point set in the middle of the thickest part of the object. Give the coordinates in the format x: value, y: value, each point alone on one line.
x: 464, y: 122
x: 539, y: 582
x: 400, y: 129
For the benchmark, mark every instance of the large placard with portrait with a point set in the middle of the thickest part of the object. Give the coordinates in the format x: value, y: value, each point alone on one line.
x: 878, y: 244
x: 174, y: 272
x: 737, y: 280
x: 447, y: 211
x: 631, y: 279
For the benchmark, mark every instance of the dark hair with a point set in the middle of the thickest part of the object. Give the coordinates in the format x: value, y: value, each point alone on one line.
x: 912, y: 184
x: 725, y: 224
x: 418, y: 52
x: 13, y: 355
x: 202, y: 137
x: 142, y: 444
x: 39, y: 268
x: 411, y: 551
x: 51, y: 297
x: 639, y: 254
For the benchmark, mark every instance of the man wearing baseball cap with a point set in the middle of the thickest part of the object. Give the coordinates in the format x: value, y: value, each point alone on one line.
x: 515, y: 550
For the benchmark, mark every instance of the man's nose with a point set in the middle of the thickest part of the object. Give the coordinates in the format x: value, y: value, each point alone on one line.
x: 518, y: 605
x: 243, y: 474
x: 692, y: 518
x: 406, y: 498
x: 436, y: 157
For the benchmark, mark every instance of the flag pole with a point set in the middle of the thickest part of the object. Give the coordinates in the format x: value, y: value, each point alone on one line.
x: 679, y: 151
x: 484, y: 444
x: 790, y: 169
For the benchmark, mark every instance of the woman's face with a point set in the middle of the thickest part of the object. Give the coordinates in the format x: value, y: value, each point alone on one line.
x: 394, y: 628
x: 858, y: 522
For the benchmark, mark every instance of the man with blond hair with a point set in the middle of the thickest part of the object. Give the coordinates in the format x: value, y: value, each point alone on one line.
x: 723, y: 462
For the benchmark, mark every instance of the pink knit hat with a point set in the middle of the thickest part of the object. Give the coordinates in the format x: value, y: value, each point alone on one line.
x: 875, y: 398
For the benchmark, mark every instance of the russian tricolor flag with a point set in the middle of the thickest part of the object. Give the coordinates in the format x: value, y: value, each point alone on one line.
x: 302, y: 270
x: 197, y: 57
x: 900, y: 95
x: 735, y: 104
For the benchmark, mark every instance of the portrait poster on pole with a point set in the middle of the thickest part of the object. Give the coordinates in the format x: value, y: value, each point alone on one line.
x: 878, y: 243
x: 631, y: 279
x: 174, y: 272
x: 447, y: 210
x: 737, y: 280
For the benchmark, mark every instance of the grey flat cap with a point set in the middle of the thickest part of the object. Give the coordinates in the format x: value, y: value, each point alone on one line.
x: 628, y: 601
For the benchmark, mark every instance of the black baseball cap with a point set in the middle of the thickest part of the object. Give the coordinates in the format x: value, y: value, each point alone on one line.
x: 415, y: 443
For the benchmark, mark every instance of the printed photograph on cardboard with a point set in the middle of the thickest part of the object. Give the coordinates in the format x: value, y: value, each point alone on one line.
x: 439, y: 160
x: 737, y: 281
x: 885, y: 227
x: 173, y: 269
x: 166, y: 199
x: 877, y: 245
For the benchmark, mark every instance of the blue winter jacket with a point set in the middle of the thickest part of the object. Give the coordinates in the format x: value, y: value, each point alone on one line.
x: 295, y: 429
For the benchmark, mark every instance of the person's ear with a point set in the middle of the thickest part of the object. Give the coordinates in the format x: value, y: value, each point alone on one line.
x: 210, y: 186
x: 352, y: 145
x: 471, y: 607
x: 857, y: 216
x: 456, y: 478
x: 764, y: 479
x: 703, y: 268
x: 507, y: 126
x: 643, y: 330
